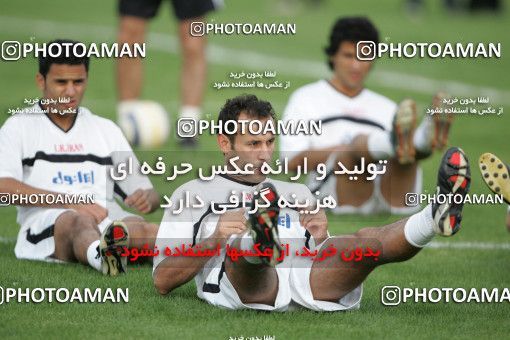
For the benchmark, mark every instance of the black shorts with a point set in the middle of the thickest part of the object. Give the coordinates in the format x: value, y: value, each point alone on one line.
x: 183, y: 9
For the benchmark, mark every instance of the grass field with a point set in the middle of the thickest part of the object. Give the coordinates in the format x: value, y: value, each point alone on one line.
x: 483, y: 260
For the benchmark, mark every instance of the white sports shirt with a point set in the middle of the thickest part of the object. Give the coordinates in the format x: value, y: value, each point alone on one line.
x: 193, y: 225
x: 342, y: 117
x: 37, y: 152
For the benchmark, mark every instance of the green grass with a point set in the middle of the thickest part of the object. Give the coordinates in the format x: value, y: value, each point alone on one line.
x: 182, y: 314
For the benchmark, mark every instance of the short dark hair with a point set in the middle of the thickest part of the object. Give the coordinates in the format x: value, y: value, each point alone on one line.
x: 247, y: 103
x: 46, y: 61
x: 352, y: 29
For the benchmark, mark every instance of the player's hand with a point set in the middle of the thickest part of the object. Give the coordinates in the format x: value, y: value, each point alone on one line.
x: 316, y: 224
x: 140, y: 200
x: 230, y: 223
x: 94, y: 210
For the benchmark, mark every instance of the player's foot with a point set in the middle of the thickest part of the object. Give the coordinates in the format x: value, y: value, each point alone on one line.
x: 496, y: 175
x: 113, y: 240
x: 404, y: 124
x: 453, y: 178
x: 442, y: 122
x: 264, y: 223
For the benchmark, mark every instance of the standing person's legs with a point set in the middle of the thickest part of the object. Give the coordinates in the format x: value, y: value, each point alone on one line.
x: 130, y: 70
x: 133, y: 18
x: 190, y: 14
x: 193, y: 70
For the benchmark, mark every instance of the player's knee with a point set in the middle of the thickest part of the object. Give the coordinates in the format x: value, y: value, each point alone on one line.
x: 83, y: 223
x: 361, y: 233
x: 150, y: 230
x: 193, y: 48
x: 71, y: 226
x: 132, y: 30
x: 161, y: 283
x: 160, y: 288
x: 75, y: 220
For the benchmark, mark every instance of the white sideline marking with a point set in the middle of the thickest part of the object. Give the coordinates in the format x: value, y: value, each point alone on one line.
x: 250, y: 59
x: 469, y: 245
x: 7, y: 240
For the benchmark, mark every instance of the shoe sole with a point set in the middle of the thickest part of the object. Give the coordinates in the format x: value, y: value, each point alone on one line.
x: 443, y: 218
x: 495, y: 175
x: 113, y: 264
x: 405, y: 124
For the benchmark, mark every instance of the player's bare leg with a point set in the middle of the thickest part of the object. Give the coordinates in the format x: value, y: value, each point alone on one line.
x: 352, y: 192
x: 333, y: 278
x: 400, y: 241
x: 194, y: 67
x: 77, y: 238
x: 253, y: 282
x: 73, y: 234
x: 141, y: 232
x: 193, y: 73
x: 356, y: 192
x: 401, y: 149
x: 398, y: 180
x: 130, y: 70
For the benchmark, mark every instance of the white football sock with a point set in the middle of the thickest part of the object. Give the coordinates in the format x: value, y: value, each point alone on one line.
x: 422, y: 135
x: 188, y: 111
x: 419, y: 228
x: 92, y: 255
x: 379, y: 145
x: 247, y: 244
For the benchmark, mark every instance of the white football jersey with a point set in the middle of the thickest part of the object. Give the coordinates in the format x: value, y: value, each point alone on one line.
x: 39, y: 153
x: 193, y: 225
x: 342, y: 117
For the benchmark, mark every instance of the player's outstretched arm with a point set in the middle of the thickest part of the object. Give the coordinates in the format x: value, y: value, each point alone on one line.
x: 173, y: 272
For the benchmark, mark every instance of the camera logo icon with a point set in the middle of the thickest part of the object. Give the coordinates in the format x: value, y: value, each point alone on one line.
x: 11, y: 50
x: 186, y: 127
x: 5, y: 199
x: 411, y: 199
x: 365, y: 50
x: 391, y: 295
x: 197, y: 29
